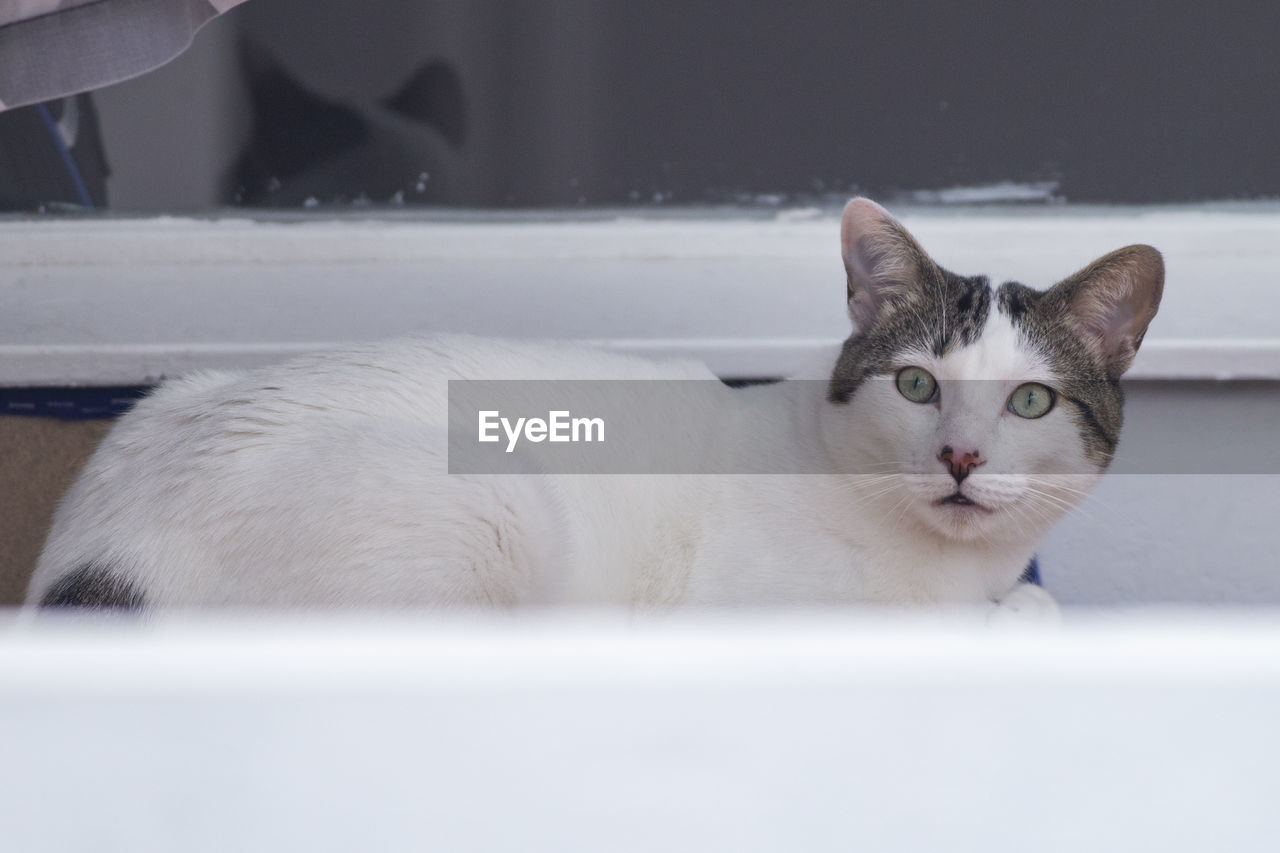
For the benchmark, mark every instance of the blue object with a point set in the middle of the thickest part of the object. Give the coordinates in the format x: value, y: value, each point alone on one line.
x: 70, y: 403
x: 67, y: 160
x: 1032, y: 573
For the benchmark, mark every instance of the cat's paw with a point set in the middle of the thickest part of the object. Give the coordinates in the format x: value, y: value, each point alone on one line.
x: 1025, y: 604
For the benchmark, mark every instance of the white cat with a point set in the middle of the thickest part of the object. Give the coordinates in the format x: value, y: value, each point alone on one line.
x: 325, y: 480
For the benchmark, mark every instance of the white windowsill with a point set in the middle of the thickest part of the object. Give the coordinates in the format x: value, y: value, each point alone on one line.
x: 825, y: 731
x: 99, y: 302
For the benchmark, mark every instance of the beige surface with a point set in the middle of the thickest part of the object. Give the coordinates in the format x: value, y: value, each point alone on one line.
x: 38, y: 459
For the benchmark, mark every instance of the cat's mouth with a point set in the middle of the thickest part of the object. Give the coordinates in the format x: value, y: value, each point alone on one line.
x: 958, y: 499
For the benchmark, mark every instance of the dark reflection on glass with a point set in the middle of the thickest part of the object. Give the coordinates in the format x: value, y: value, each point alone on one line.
x: 323, y: 105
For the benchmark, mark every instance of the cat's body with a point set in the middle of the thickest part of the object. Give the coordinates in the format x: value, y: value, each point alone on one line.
x: 324, y: 481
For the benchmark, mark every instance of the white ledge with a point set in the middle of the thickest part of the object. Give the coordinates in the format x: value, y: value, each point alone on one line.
x: 101, y: 302
x: 73, y: 365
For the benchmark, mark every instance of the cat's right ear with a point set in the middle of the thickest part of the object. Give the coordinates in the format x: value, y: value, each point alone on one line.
x: 883, y: 262
x: 1110, y: 303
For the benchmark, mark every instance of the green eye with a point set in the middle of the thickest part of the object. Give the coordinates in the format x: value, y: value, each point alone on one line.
x: 1031, y: 400
x: 917, y: 384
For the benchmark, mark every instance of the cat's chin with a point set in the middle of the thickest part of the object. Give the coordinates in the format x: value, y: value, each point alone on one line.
x: 957, y: 513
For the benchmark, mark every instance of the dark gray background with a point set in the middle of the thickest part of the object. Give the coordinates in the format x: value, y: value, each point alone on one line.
x: 575, y: 102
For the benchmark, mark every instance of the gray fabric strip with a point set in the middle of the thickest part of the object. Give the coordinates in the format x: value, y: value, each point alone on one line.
x: 95, y: 44
x: 12, y: 11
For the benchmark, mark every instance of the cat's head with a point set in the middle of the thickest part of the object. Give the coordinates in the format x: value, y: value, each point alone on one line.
x: 983, y: 409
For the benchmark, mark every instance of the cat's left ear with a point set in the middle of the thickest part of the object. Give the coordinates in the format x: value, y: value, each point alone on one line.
x: 883, y: 263
x: 1111, y: 302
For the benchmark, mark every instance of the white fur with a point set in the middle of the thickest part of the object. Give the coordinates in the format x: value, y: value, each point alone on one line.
x: 323, y: 481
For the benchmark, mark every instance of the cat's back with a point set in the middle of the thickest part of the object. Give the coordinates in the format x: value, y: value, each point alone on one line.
x: 404, y: 377
x: 403, y: 380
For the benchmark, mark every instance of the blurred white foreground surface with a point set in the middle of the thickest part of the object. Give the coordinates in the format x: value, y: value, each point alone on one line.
x: 562, y: 732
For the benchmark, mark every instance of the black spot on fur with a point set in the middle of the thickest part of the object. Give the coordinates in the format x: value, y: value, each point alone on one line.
x: 1013, y: 299
x: 93, y: 587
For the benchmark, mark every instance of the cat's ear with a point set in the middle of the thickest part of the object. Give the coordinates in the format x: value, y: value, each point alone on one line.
x: 1111, y: 302
x: 883, y: 262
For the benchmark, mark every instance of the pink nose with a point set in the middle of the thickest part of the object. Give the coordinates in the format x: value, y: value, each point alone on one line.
x: 960, y: 464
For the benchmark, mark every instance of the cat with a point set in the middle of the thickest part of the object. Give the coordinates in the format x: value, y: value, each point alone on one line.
x: 324, y: 481
x: 307, y: 150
